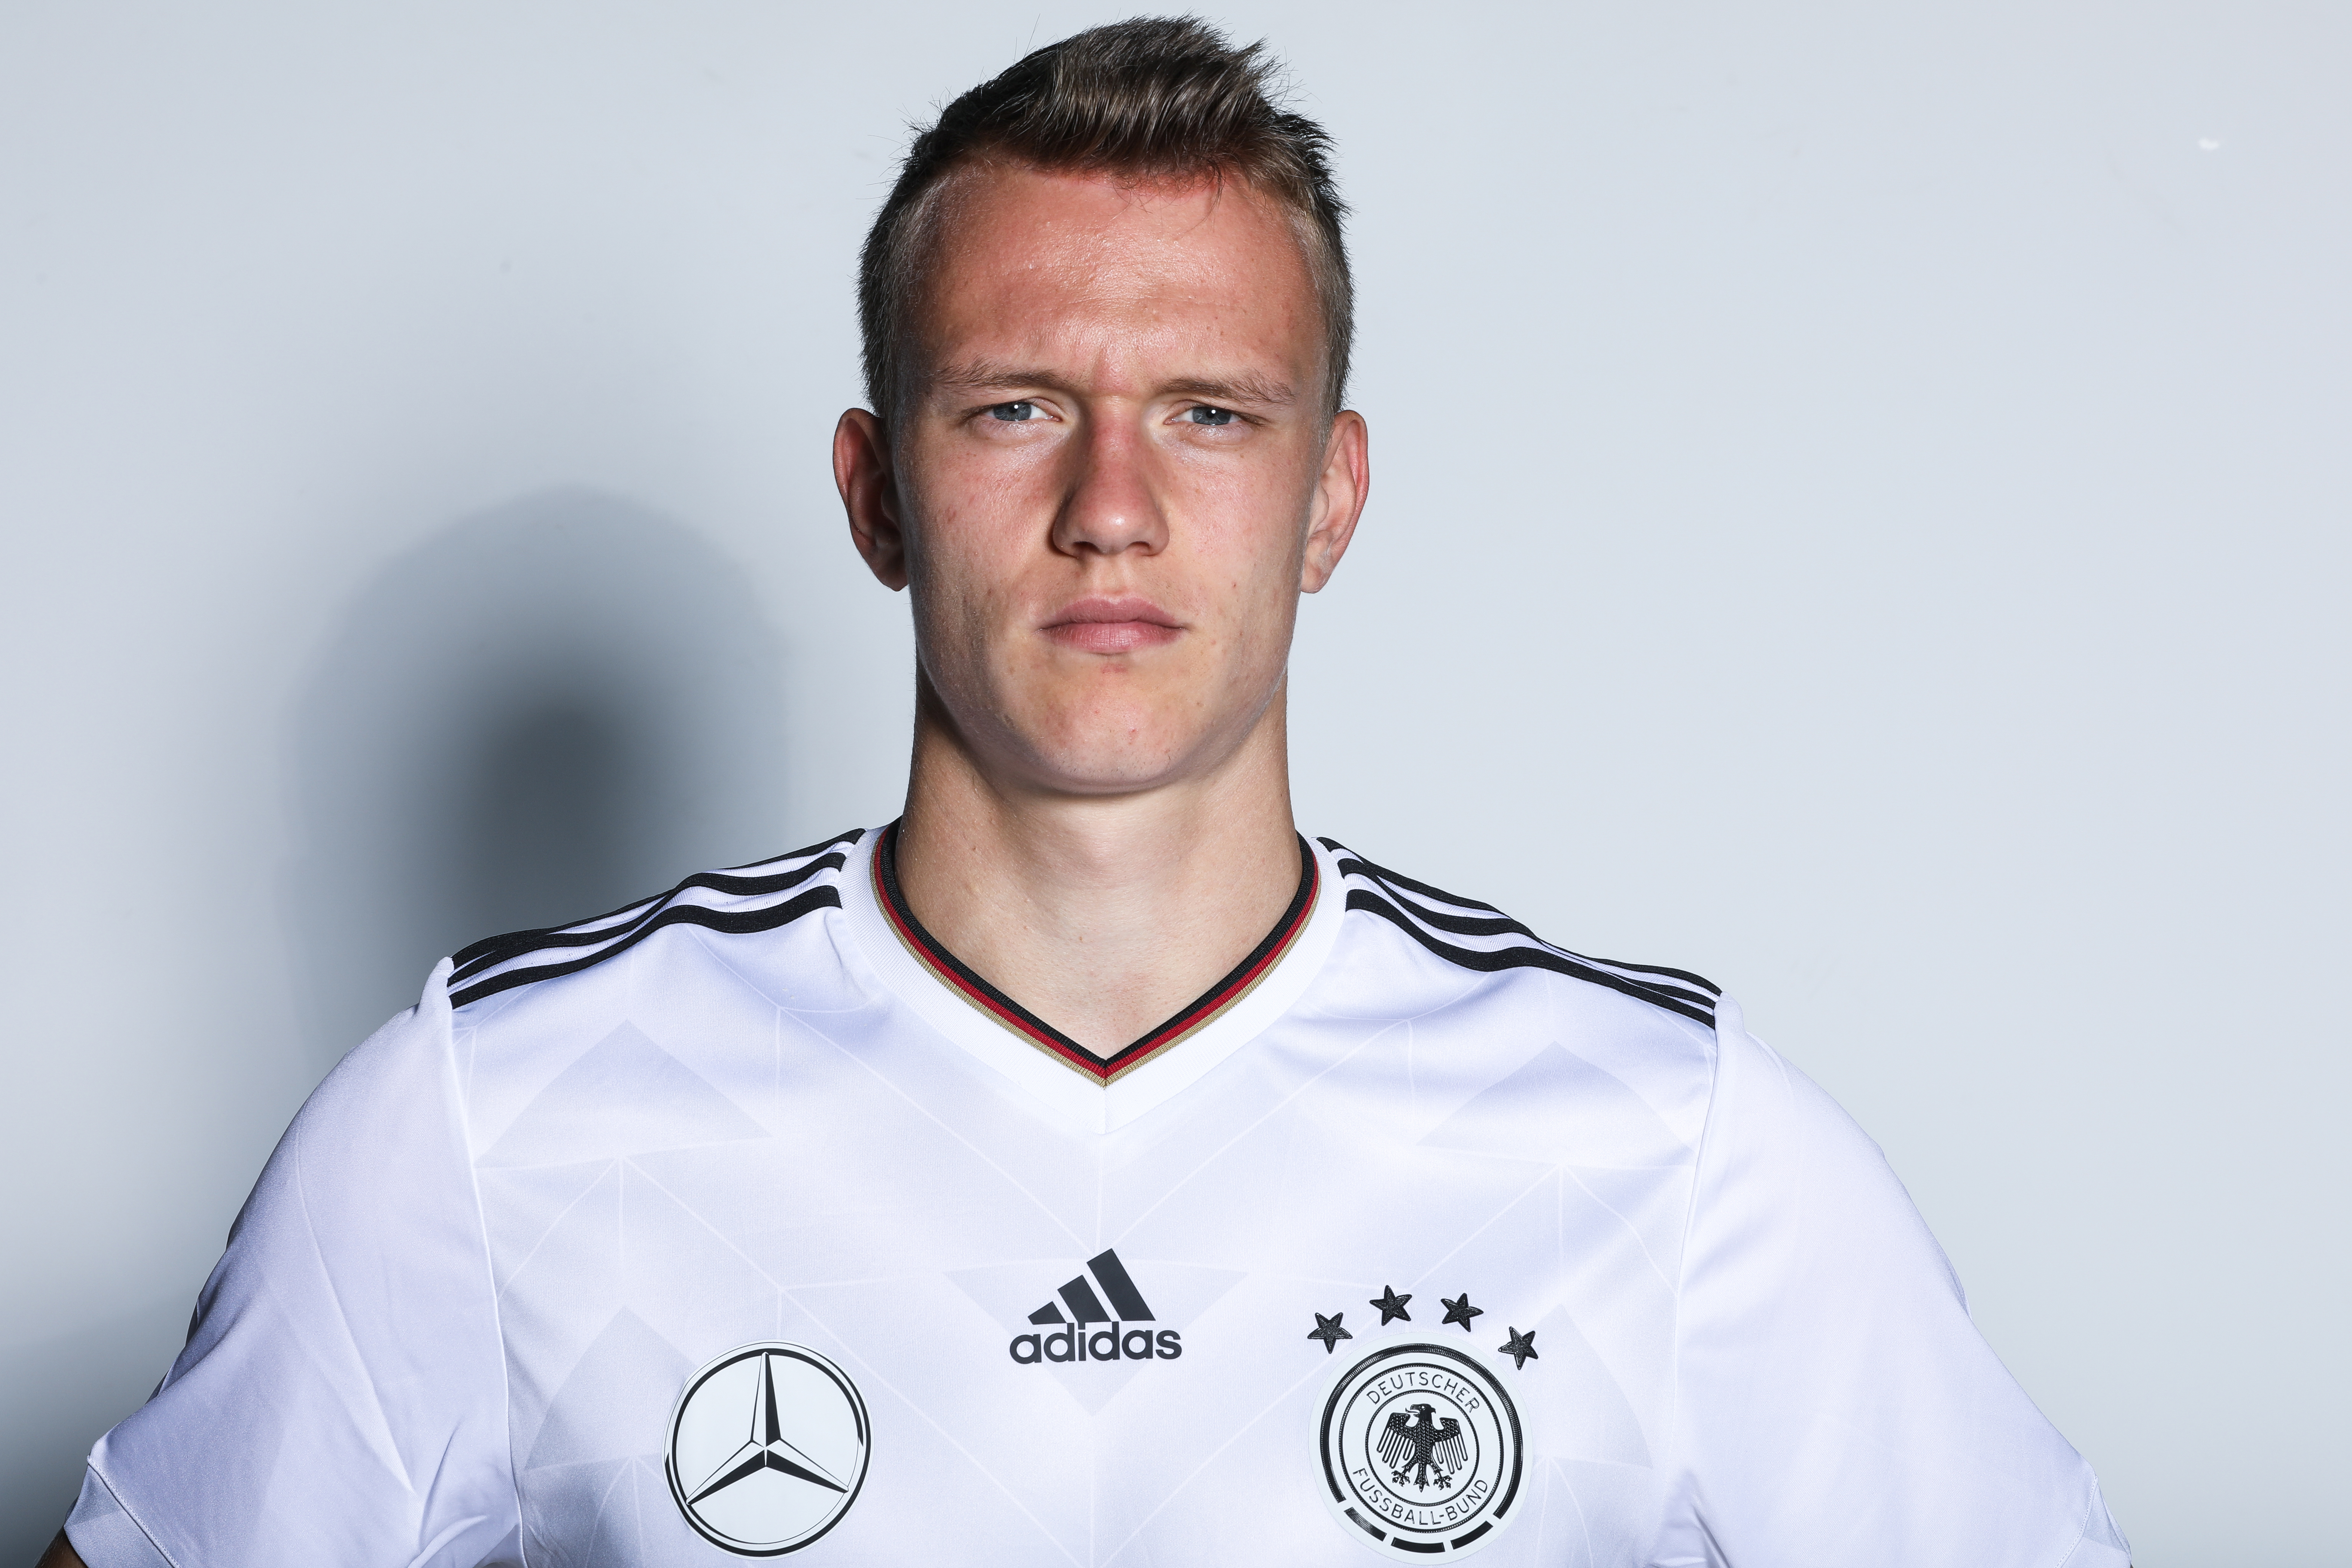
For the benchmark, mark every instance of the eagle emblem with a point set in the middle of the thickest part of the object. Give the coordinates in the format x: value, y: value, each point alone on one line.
x: 1422, y: 1450
x: 1412, y: 1447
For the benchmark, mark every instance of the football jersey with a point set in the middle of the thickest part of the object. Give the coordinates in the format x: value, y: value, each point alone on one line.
x: 748, y: 1222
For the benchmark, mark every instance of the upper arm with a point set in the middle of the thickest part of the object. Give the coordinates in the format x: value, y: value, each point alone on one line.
x: 341, y: 1396
x: 1835, y: 1404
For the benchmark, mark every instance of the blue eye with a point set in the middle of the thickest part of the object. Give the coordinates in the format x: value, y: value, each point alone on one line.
x: 1012, y: 412
x: 1213, y: 416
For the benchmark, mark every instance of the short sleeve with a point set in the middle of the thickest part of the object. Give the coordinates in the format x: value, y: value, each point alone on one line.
x: 1836, y: 1408
x: 341, y: 1399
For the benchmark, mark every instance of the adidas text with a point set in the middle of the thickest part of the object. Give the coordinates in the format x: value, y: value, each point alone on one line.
x: 1074, y: 1337
x: 1074, y: 1341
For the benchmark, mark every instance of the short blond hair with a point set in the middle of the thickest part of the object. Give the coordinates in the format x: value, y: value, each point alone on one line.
x: 1155, y: 97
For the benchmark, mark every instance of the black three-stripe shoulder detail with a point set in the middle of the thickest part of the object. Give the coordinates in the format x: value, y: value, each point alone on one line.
x: 619, y: 929
x: 496, y: 950
x: 1382, y: 892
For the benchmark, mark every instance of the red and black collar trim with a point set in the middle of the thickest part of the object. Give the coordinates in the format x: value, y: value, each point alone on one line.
x: 1204, y: 1010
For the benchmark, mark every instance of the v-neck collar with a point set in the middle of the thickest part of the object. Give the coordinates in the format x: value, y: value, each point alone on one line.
x: 1081, y: 1086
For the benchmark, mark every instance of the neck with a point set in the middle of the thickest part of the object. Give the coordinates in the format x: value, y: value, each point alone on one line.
x: 1103, y: 914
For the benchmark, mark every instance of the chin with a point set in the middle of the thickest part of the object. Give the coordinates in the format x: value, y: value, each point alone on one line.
x: 1100, y: 753
x: 1108, y: 767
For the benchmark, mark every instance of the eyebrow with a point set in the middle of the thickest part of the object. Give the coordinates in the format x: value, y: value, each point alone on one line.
x: 1239, y: 389
x: 991, y: 375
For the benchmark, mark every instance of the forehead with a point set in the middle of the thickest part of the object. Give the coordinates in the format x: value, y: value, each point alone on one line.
x: 1028, y: 264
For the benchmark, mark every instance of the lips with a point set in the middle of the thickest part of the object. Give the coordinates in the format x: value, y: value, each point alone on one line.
x: 1112, y: 625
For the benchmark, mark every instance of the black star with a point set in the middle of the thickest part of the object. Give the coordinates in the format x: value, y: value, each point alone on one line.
x: 1462, y: 1311
x: 1392, y: 1305
x: 1328, y: 1331
x: 1522, y: 1348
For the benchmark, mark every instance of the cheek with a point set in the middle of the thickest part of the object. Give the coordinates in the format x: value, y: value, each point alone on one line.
x: 1250, y: 542
x: 985, y: 509
x: 964, y: 571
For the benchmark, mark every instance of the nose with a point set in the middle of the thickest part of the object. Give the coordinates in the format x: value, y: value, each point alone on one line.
x: 1112, y: 504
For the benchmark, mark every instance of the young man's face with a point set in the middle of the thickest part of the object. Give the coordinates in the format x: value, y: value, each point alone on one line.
x: 1112, y: 477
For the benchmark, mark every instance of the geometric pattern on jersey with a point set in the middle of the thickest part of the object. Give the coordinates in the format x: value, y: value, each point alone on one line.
x: 1270, y: 1195
x: 1187, y: 1021
x: 758, y: 903
x: 457, y: 1318
x: 1481, y: 937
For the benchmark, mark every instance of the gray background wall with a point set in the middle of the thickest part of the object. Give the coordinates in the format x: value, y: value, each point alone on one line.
x: 1861, y: 513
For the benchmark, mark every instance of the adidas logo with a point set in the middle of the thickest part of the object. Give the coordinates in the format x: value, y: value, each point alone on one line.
x: 1072, y: 1337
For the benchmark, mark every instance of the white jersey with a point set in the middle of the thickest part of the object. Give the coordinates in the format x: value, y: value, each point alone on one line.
x: 747, y: 1222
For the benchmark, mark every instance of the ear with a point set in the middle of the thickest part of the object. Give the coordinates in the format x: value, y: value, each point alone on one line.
x: 869, y: 493
x: 1340, y: 492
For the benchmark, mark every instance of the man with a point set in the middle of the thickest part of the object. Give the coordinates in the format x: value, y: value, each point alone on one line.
x: 1085, y: 1167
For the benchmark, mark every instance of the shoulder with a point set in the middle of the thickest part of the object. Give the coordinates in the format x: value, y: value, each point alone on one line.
x: 1467, y: 935
x: 740, y: 900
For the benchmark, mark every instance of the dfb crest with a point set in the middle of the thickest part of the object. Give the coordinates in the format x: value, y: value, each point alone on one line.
x: 1421, y: 1451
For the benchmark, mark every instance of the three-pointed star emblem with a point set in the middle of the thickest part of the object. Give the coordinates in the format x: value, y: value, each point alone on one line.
x: 767, y: 1450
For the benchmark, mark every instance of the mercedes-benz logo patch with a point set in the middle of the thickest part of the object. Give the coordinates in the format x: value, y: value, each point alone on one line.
x: 767, y: 1449
x: 1421, y: 1451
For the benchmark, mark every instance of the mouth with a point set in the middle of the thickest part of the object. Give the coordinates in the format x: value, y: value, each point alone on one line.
x: 1120, y: 625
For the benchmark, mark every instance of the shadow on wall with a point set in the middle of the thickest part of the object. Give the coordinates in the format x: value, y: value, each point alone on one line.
x: 546, y: 712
